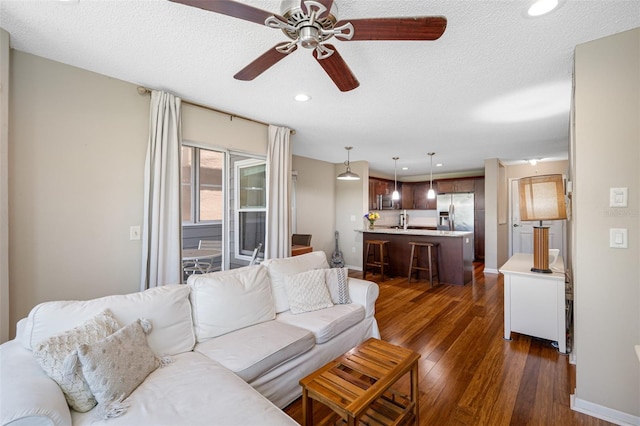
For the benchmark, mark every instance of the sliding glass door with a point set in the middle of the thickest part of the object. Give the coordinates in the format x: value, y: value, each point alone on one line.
x: 223, y: 206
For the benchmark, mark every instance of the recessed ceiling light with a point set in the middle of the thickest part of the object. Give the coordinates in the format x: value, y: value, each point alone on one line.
x: 302, y: 97
x: 405, y: 168
x: 540, y: 7
x: 439, y: 165
x: 533, y: 161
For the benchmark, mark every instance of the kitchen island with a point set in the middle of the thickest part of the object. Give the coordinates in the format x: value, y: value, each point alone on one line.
x: 455, y: 251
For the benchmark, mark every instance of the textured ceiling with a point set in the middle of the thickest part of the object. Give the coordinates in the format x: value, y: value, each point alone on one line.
x: 497, y: 84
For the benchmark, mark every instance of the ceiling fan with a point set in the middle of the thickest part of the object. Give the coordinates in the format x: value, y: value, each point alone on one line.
x: 311, y: 23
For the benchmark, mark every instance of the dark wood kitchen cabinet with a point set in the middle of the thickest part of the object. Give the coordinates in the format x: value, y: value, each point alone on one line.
x: 406, y: 196
x: 420, y: 200
x: 456, y: 185
x: 378, y: 186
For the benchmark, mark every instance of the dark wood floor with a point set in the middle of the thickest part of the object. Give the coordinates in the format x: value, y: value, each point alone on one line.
x: 470, y: 375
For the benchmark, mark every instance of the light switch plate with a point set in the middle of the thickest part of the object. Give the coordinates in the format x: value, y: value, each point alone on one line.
x: 618, y: 197
x: 618, y: 238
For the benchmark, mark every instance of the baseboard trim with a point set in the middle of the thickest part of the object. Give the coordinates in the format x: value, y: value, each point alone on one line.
x: 603, y: 413
x: 491, y: 271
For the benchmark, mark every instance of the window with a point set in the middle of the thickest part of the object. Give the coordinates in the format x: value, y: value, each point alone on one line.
x: 202, y: 189
x: 250, y: 206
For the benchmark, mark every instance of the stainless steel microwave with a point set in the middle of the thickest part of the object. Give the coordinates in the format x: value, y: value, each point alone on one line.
x: 384, y: 202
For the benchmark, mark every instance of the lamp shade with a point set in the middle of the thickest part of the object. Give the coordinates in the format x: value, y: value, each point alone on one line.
x: 542, y: 198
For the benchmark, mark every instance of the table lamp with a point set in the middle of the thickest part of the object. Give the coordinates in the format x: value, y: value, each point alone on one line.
x: 541, y: 198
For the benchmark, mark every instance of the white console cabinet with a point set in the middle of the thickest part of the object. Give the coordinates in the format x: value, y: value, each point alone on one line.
x: 534, y: 303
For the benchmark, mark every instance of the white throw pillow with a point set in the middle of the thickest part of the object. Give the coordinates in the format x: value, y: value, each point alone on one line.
x: 229, y: 300
x: 337, y: 280
x: 114, y: 366
x: 280, y: 268
x: 52, y: 352
x: 307, y: 291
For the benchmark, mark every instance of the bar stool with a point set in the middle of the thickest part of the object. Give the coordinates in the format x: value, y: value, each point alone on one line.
x: 432, y: 248
x: 381, y: 261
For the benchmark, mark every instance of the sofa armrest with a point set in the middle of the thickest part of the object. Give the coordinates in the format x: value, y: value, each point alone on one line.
x: 364, y: 293
x: 27, y: 395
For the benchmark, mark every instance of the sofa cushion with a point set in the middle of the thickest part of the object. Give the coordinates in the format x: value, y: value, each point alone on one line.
x: 279, y: 268
x: 337, y: 280
x: 193, y: 390
x: 229, y: 300
x: 167, y: 307
x: 114, y: 366
x: 52, y: 352
x: 325, y: 323
x: 254, y: 350
x: 307, y: 291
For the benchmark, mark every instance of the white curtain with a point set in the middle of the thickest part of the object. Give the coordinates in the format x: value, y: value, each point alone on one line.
x: 278, y: 233
x: 162, y: 228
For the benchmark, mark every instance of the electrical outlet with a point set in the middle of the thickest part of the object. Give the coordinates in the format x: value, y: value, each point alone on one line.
x: 134, y: 232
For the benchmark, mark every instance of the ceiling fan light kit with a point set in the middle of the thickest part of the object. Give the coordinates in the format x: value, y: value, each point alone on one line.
x: 311, y: 23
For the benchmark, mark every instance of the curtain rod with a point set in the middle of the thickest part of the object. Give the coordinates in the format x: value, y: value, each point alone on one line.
x: 146, y: 91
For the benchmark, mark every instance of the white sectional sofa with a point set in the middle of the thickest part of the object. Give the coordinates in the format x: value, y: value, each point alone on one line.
x: 233, y: 351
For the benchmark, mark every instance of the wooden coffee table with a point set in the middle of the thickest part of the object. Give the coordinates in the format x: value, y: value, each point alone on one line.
x: 357, y: 385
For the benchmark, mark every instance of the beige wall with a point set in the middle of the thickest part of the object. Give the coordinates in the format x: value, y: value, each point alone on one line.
x: 352, y: 201
x: 77, y: 147
x: 76, y: 153
x: 315, y: 202
x: 4, y: 185
x: 544, y: 168
x: 217, y: 130
x: 496, y: 232
x: 607, y: 280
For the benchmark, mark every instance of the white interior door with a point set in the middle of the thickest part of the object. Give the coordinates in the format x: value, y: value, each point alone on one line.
x: 522, y: 232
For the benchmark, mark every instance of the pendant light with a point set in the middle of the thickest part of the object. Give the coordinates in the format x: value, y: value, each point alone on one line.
x: 431, y: 194
x: 348, y: 175
x: 396, y: 195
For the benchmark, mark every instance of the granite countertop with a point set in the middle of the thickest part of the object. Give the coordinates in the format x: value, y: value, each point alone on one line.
x: 426, y: 232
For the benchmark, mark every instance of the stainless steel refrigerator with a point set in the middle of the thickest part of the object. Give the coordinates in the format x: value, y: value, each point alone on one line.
x: 456, y: 212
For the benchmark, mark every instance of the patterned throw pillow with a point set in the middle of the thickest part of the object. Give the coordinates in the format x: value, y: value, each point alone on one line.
x: 52, y: 352
x: 116, y: 365
x: 307, y: 291
x: 337, y: 280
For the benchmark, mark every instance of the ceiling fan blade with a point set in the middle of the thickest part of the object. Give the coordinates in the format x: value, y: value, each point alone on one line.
x: 325, y: 3
x: 337, y: 69
x: 263, y: 62
x: 416, y: 28
x: 232, y: 8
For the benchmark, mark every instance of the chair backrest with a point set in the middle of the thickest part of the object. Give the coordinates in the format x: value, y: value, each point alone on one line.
x: 210, y: 245
x: 254, y: 256
x: 301, y: 239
